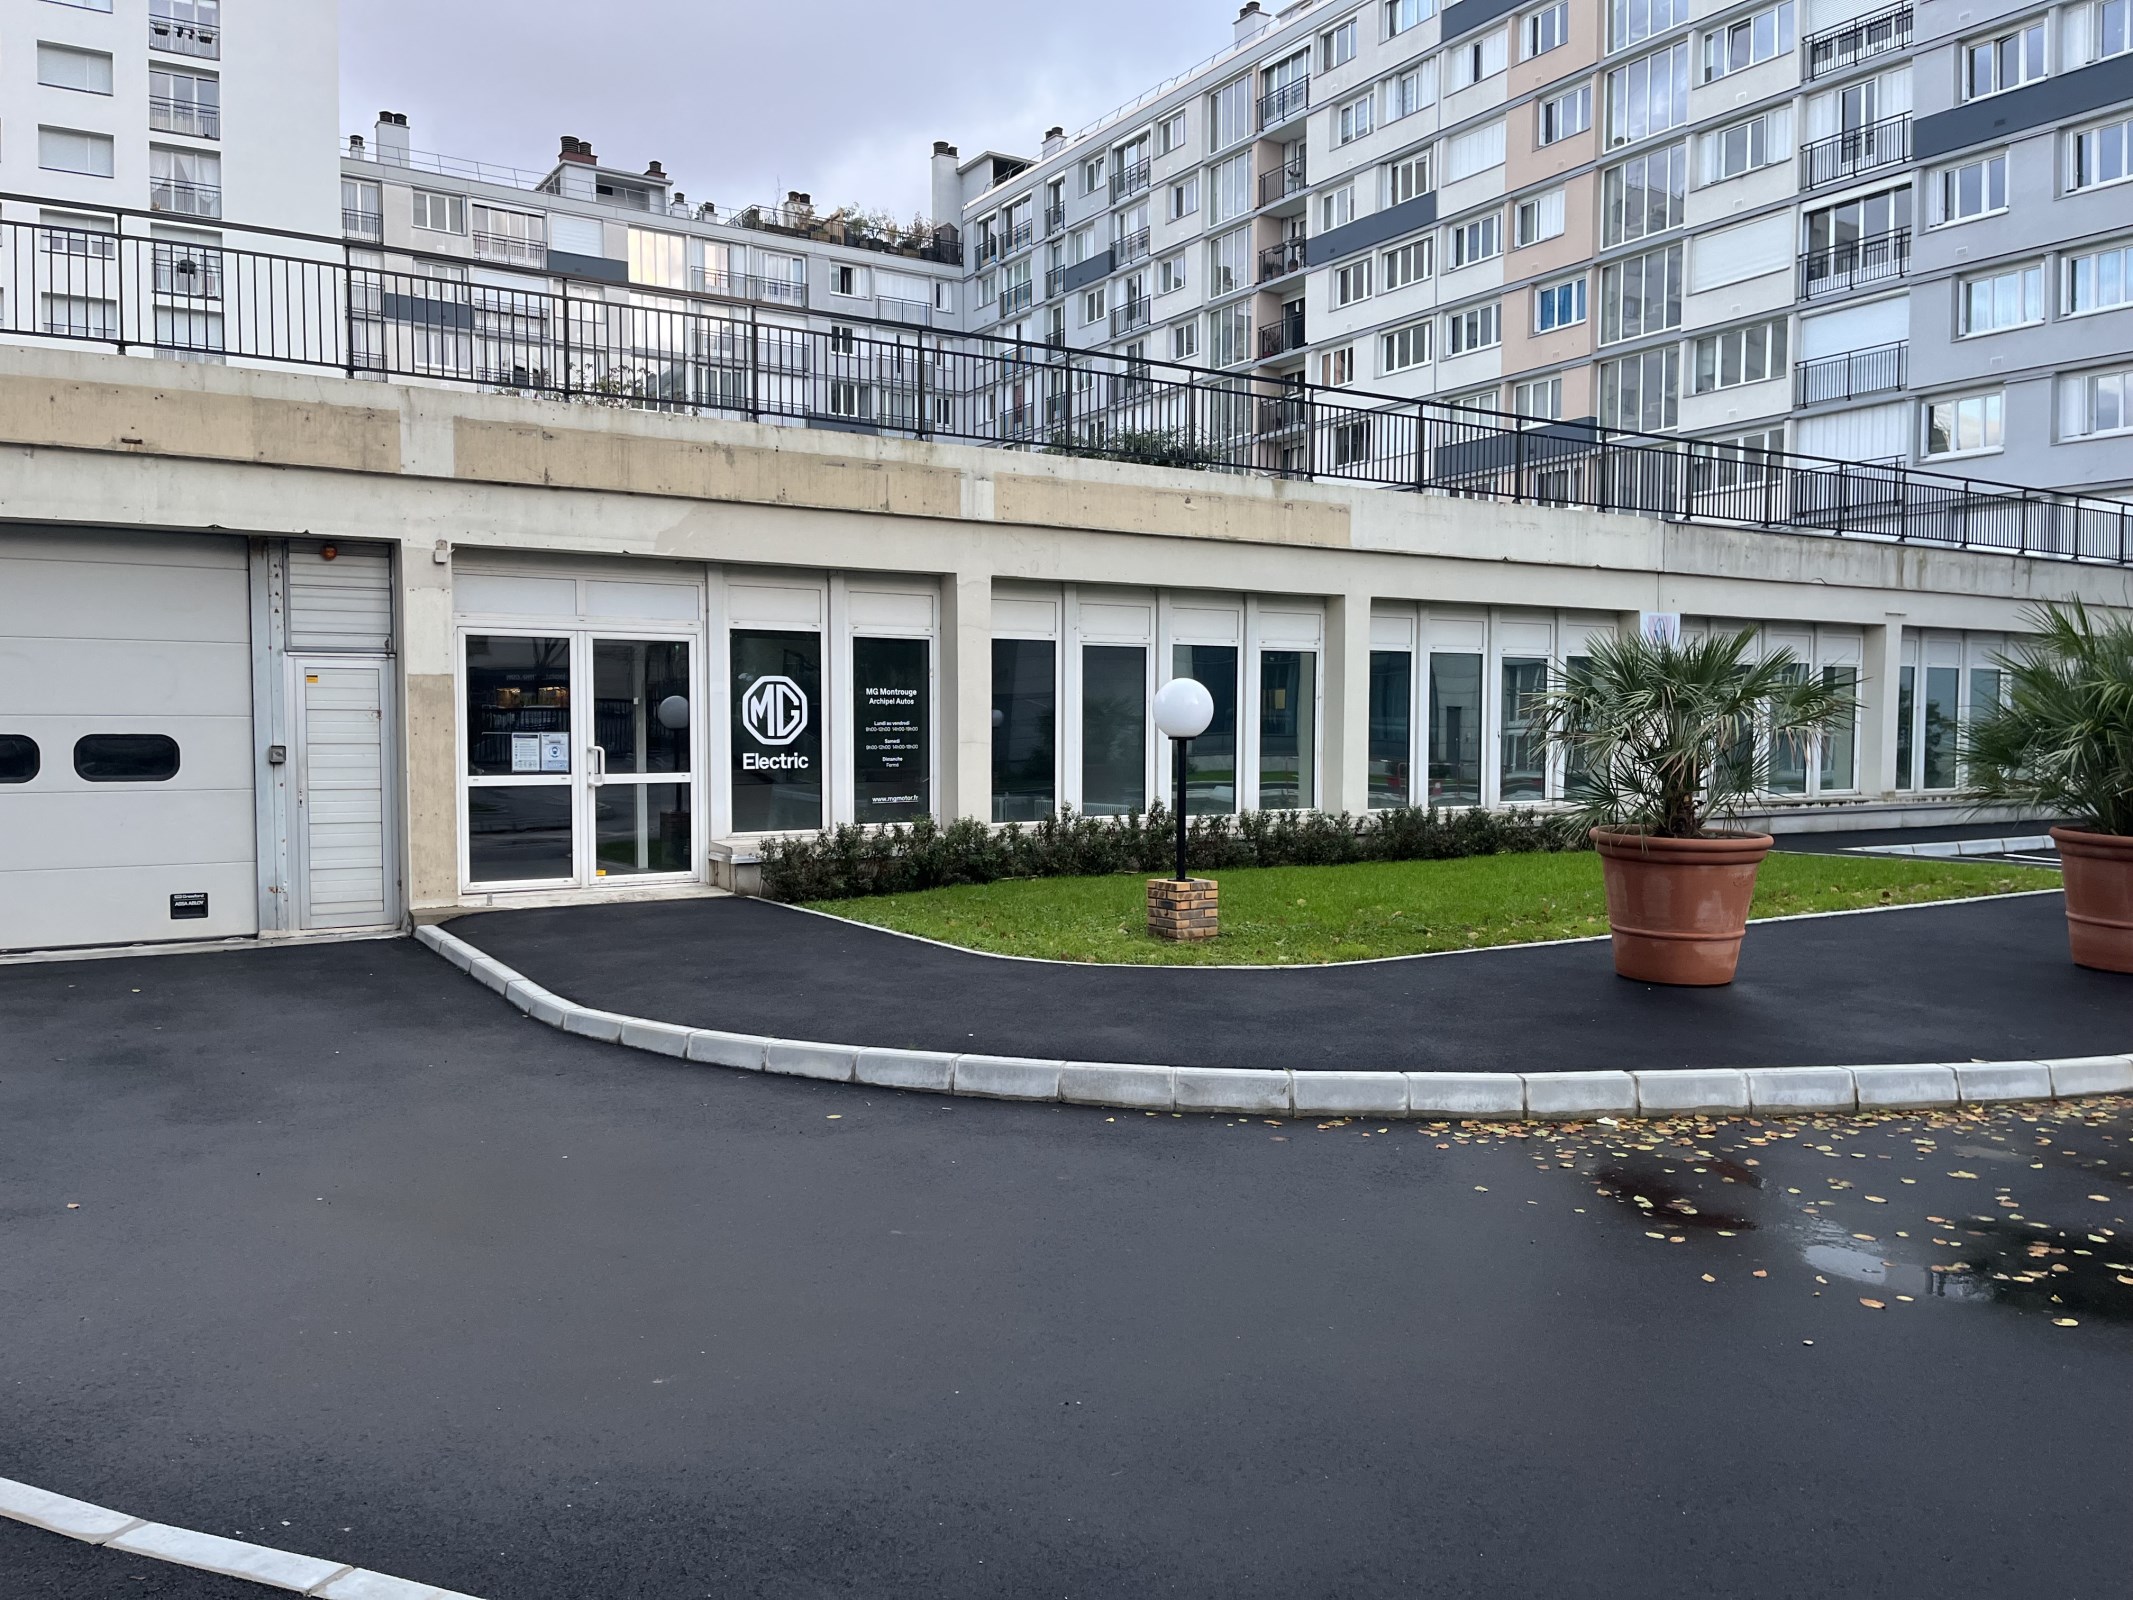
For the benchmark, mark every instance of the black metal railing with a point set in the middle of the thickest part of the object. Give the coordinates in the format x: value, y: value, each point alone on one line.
x: 1849, y: 263
x: 1846, y: 155
x: 548, y: 336
x: 1834, y: 49
x: 1054, y: 220
x: 1131, y: 247
x: 1131, y: 317
x: 168, y: 114
x: 1131, y: 180
x: 747, y: 286
x: 512, y: 247
x: 1016, y: 298
x: 1850, y: 376
x: 1283, y: 181
x: 363, y: 224
x: 1021, y: 236
x: 1280, y: 260
x: 1279, y: 337
x: 179, y: 199
x: 991, y: 246
x: 186, y: 28
x: 1284, y: 104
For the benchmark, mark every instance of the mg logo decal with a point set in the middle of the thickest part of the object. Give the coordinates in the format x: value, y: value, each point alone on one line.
x: 774, y: 711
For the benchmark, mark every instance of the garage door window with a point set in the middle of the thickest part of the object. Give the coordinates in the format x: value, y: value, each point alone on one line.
x: 126, y: 758
x: 19, y: 761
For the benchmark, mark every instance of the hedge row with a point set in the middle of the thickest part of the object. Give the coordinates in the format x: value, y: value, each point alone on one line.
x: 850, y: 861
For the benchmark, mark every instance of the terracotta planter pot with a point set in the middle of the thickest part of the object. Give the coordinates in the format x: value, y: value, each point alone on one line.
x: 1678, y: 908
x: 2099, y: 897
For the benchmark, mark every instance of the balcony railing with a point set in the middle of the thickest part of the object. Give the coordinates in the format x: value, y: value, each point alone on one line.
x: 747, y: 286
x: 1021, y: 236
x: 1131, y: 180
x: 1054, y: 220
x: 1850, y: 376
x: 1280, y: 260
x: 1016, y: 298
x: 1850, y: 263
x: 991, y: 246
x: 1835, y: 49
x: 1844, y: 156
x: 511, y: 247
x: 1131, y: 317
x: 1131, y: 247
x: 1284, y: 104
x: 185, y: 199
x: 198, y: 35
x: 1281, y: 336
x: 1283, y: 181
x: 362, y: 224
x: 167, y: 114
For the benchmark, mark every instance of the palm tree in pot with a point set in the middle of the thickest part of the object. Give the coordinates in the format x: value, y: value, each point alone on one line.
x: 2060, y: 744
x: 1662, y: 743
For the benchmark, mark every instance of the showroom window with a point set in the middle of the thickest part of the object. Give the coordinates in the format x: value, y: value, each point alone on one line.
x: 1392, y: 696
x: 1211, y: 764
x: 1025, y: 718
x: 1454, y: 729
x: 1288, y: 729
x: 892, y: 723
x: 777, y: 730
x: 1114, y: 730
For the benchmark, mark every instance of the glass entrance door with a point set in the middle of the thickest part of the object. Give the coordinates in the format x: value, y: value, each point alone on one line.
x: 640, y: 789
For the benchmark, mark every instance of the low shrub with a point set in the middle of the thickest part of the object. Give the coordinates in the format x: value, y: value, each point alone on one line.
x: 847, y: 862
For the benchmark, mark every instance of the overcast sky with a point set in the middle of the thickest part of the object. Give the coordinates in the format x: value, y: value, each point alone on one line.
x: 840, y: 98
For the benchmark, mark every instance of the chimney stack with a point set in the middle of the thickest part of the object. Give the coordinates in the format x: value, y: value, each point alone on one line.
x: 1054, y: 141
x: 947, y: 186
x: 574, y: 175
x: 1252, y: 22
x: 391, y: 135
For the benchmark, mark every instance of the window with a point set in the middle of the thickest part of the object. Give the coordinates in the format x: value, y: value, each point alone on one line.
x: 1479, y: 240
x: 1641, y: 295
x: 73, y: 316
x: 65, y: 233
x: 2005, y: 61
x: 1475, y: 151
x: 59, y: 67
x: 851, y: 283
x: 1184, y: 341
x: 20, y: 760
x: 1184, y: 197
x: 1740, y: 355
x: 1094, y: 176
x: 185, y: 182
x: 1336, y: 368
x: 1114, y: 730
x: 1211, y: 765
x: 1745, y: 146
x: 1477, y: 328
x: 1522, y: 767
x: 1392, y: 693
x: 1408, y: 263
x: 662, y: 259
x: 1476, y: 59
x: 1229, y: 190
x: 64, y: 150
x: 184, y: 102
x: 1648, y: 96
x: 1565, y: 115
x: 1229, y: 335
x: 1229, y: 114
x: 2113, y: 36
x: 1411, y: 91
x: 1081, y: 244
x: 2006, y: 299
x: 1407, y: 179
x: 1354, y: 119
x: 1406, y: 347
x: 1025, y: 705
x: 441, y: 213
x: 1092, y: 306
x: 1974, y: 189
x: 1288, y: 692
x: 1336, y: 208
x: 1642, y: 391
x: 1538, y: 398
x: 1170, y: 133
x: 2095, y: 402
x: 126, y: 758
x: 1351, y: 282
x: 1170, y: 274
x: 1633, y: 21
x: 1748, y: 42
x: 2098, y: 155
x: 1538, y: 218
x: 1963, y: 424
x: 1744, y: 458
x: 1336, y: 46
x: 1229, y: 262
x: 1454, y: 729
x: 1547, y: 29
x: 1559, y: 305
x: 851, y: 399
x: 2097, y: 281
x: 1644, y: 196
x: 1401, y: 15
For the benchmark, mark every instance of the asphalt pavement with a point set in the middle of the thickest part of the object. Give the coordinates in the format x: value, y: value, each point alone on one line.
x: 329, y: 1249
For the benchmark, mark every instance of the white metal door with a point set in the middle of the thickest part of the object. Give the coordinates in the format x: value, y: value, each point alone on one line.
x: 344, y: 873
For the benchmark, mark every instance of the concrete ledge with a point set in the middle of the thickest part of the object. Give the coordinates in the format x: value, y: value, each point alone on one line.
x: 793, y: 1058
x: 1089, y: 1083
x: 660, y: 1038
x: 1007, y: 1077
x: 1223, y: 1089
x: 1376, y: 1094
x: 1581, y: 1094
x: 1801, y: 1089
x: 1678, y: 1093
x: 743, y: 1050
x: 1492, y: 1096
x: 233, y: 1558
x: 2006, y: 1080
x: 2085, y: 1075
x: 906, y: 1069
x: 1904, y: 1088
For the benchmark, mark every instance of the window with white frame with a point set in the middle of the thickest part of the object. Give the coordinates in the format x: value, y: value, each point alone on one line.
x: 1643, y: 391
x: 2098, y: 280
x: 1351, y: 282
x: 1336, y: 208
x: 2110, y: 29
x: 1185, y: 341
x: 1478, y: 240
x: 1401, y: 15
x: 2008, y: 298
x: 1229, y: 262
x: 1973, y: 189
x: 1407, y: 178
x: 2091, y: 403
x: 1646, y: 194
x: 1170, y: 133
x: 1230, y: 114
x: 1546, y: 29
x: 1559, y: 305
x: 1336, y: 368
x: 1170, y: 274
x: 1404, y: 348
x: 1475, y: 59
x: 1963, y: 424
x: 1472, y: 400
x: 1633, y: 21
x: 1648, y: 95
x: 440, y: 213
x: 1539, y: 398
x: 2099, y: 155
x: 1411, y: 91
x: 1753, y: 354
x: 1641, y: 295
x: 2004, y: 61
x: 1747, y: 146
x: 1537, y: 217
x: 68, y: 150
x: 1092, y: 306
x: 1408, y: 263
x: 1476, y: 328
x: 1355, y: 119
x: 1566, y: 114
x: 1476, y: 150
x: 1748, y: 42
x: 1184, y: 198
x: 1336, y: 46
x: 1081, y: 244
x: 1739, y: 459
x: 1229, y: 189
x: 62, y: 66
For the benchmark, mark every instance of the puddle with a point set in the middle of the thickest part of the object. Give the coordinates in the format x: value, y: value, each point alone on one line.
x: 2035, y: 1269
x: 1685, y: 1192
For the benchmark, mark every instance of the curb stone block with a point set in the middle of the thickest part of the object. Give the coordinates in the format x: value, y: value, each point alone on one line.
x: 1581, y: 1094
x: 906, y: 1069
x: 536, y: 1002
x: 1226, y: 1089
x: 362, y: 1585
x: 2004, y: 1080
x: 231, y: 1557
x: 1008, y: 1077
x: 55, y: 1513
x: 491, y: 973
x: 1453, y: 1096
x: 717, y: 1049
x: 1665, y: 1094
x: 1904, y: 1088
x: 1090, y: 1083
x: 456, y: 951
x: 1801, y: 1089
x: 1377, y: 1094
x: 2086, y: 1075
x: 660, y: 1038
x: 587, y: 1023
x: 793, y: 1058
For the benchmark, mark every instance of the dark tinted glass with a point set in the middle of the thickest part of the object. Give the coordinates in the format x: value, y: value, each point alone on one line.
x: 19, y: 760
x: 126, y: 758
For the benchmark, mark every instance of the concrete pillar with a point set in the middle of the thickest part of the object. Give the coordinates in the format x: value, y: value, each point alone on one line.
x: 966, y: 696
x: 1880, y: 676
x: 431, y: 719
x: 1347, y: 736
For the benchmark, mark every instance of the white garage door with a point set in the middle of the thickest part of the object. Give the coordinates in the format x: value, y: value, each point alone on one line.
x: 126, y: 794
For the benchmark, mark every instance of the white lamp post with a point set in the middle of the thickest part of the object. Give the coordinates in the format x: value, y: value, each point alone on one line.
x: 1183, y: 709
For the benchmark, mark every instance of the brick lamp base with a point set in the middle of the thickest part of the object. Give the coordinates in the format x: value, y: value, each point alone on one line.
x: 1183, y: 911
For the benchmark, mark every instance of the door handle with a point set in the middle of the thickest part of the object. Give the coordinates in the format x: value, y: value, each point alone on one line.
x: 596, y: 765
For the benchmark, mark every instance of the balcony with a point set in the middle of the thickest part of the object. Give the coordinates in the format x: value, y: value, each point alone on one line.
x: 1131, y: 317
x: 1847, y: 155
x: 1131, y: 180
x: 185, y: 199
x: 1016, y: 298
x: 1284, y: 181
x: 189, y: 117
x: 991, y: 246
x: 1054, y: 220
x: 1836, y: 49
x: 1854, y: 263
x: 1851, y: 376
x: 1129, y: 248
x: 1280, y: 260
x: 184, y: 273
x: 1286, y: 414
x: 1284, y: 104
x: 1281, y: 336
x: 512, y: 248
x: 360, y: 224
x: 1020, y: 237
x: 186, y: 28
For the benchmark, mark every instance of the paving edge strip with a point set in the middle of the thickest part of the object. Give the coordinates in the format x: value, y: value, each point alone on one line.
x: 232, y: 1558
x: 1430, y: 1096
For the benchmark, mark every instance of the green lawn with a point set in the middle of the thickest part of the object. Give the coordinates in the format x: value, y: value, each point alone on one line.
x: 1288, y: 915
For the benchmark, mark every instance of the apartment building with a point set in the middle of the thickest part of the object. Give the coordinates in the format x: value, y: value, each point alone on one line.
x: 1862, y: 232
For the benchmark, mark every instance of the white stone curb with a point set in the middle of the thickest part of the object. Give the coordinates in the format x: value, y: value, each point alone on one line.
x: 1426, y: 1096
x: 233, y: 1558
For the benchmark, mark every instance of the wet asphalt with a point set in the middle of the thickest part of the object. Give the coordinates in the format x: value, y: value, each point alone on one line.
x: 368, y: 1266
